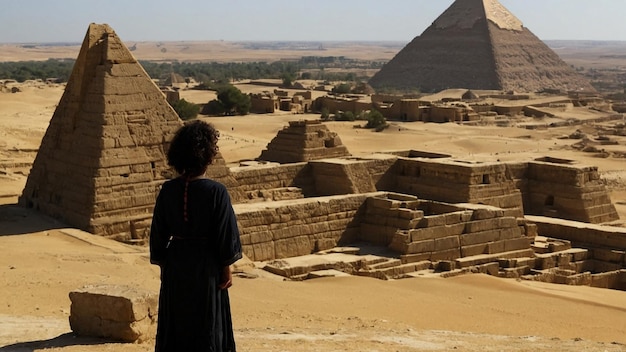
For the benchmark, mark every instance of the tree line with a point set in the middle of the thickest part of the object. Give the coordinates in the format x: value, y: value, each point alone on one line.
x: 313, y: 67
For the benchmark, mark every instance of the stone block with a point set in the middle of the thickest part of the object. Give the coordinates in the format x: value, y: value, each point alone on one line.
x: 421, y: 246
x: 415, y: 257
x: 445, y: 243
x: 583, y: 279
x: 516, y: 244
x: 479, y: 237
x: 487, y: 213
x: 545, y: 261
x: 263, y: 251
x: 495, y: 247
x: 433, y: 220
x: 609, y: 255
x: 450, y: 254
x: 511, y: 232
x: 293, y: 247
x: 116, y: 312
x: 481, y: 225
x: 475, y: 249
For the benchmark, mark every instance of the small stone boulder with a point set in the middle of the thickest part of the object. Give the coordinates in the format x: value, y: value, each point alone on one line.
x: 112, y: 311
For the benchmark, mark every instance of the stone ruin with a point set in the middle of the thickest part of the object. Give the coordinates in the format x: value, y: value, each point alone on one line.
x: 102, y: 158
x: 478, y: 44
x: 387, y: 215
x: 304, y: 141
x: 434, y: 212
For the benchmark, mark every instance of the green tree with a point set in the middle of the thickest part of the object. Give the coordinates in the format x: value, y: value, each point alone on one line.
x: 325, y: 114
x: 375, y: 120
x: 342, y: 88
x: 214, y: 107
x: 185, y: 109
x: 288, y: 79
x: 233, y: 100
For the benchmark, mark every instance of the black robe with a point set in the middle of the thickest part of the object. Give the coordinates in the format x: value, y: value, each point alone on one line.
x: 194, y: 314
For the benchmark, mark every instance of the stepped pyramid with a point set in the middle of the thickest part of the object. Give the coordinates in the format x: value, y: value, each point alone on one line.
x: 477, y: 44
x: 304, y: 141
x: 103, y: 158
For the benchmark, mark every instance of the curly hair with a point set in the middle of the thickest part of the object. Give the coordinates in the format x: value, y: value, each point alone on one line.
x: 193, y: 148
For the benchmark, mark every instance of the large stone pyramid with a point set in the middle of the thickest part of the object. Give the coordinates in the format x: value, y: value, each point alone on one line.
x: 477, y: 44
x: 103, y: 158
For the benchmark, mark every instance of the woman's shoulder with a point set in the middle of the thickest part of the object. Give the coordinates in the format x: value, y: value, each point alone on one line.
x: 211, y: 184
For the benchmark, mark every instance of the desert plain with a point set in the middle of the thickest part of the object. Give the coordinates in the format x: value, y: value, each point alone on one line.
x: 42, y: 260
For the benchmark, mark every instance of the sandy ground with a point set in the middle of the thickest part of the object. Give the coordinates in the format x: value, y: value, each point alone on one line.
x: 41, y: 261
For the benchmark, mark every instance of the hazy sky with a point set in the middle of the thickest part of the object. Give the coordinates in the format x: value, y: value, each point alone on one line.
x: 28, y: 21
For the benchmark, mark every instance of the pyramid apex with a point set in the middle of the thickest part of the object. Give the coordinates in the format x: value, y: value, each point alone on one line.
x: 465, y: 14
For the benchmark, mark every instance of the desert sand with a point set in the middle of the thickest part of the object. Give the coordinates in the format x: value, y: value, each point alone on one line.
x: 42, y: 260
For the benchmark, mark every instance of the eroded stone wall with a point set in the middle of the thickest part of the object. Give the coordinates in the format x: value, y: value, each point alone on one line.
x: 297, y: 227
x: 568, y: 191
x: 452, y: 181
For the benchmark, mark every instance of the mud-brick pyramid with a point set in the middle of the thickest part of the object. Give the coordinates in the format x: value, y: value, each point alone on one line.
x: 304, y: 141
x: 103, y: 158
x: 477, y: 44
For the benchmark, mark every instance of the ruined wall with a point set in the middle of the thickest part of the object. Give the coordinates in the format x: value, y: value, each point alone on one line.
x: 405, y: 110
x: 562, y: 189
x: 298, y: 227
x: 426, y: 230
x: 261, y: 104
x: 337, y: 104
x: 584, y: 235
x: 253, y: 181
x: 453, y: 181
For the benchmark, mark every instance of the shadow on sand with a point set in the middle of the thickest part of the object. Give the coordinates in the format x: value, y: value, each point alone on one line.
x: 64, y: 340
x: 17, y: 220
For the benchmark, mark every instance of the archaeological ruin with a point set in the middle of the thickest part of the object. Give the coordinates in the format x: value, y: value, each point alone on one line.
x: 386, y: 215
x: 102, y: 158
x: 477, y: 44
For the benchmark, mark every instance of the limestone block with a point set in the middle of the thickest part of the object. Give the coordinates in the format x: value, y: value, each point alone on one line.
x: 495, y: 247
x: 410, y: 214
x: 530, y: 230
x: 421, y: 246
x: 605, y: 280
x: 579, y: 279
x: 445, y: 243
x: 111, y: 311
x: 433, y: 220
x: 323, y: 244
x: 486, y: 213
x: 261, y: 236
x: 479, y: 237
x: 293, y: 247
x: 475, y: 249
x: 415, y: 258
x: 545, y: 261
x: 517, y: 244
x: 608, y: 255
x: 449, y: 254
x: 262, y: 251
x: 482, y: 225
x: 511, y: 232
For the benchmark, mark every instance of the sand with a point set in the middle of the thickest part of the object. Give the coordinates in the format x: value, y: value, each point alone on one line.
x: 42, y: 260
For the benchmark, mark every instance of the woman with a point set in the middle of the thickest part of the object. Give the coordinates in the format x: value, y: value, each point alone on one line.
x: 194, y: 239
